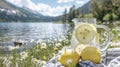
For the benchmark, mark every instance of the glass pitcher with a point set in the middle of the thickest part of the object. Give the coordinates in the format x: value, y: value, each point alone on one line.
x: 102, y: 47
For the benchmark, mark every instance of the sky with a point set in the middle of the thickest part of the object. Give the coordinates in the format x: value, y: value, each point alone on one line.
x: 48, y: 7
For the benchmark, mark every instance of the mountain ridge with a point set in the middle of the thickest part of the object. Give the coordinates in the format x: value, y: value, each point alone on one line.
x: 10, y: 12
x: 85, y: 8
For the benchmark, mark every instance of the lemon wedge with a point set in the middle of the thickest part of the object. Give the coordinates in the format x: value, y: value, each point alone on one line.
x: 91, y: 53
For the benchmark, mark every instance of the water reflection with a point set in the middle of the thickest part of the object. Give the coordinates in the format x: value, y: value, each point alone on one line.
x: 28, y: 31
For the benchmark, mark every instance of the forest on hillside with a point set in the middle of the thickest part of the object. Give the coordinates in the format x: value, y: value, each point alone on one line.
x: 104, y: 11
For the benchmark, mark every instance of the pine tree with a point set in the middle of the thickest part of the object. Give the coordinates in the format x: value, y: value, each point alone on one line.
x: 71, y: 13
x: 64, y: 17
x: 77, y: 13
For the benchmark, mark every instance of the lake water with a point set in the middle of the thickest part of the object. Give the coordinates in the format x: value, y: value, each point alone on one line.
x: 10, y: 32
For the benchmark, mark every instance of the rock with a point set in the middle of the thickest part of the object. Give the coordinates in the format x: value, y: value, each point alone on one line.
x: 18, y: 43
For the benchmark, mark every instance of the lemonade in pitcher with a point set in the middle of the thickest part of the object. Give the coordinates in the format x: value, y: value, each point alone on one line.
x: 85, y: 32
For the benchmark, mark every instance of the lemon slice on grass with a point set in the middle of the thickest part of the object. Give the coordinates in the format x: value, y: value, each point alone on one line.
x: 85, y: 33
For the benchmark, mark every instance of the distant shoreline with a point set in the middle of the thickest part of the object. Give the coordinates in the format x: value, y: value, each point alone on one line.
x: 29, y: 22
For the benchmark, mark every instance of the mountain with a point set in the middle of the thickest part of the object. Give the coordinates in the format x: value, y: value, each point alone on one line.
x: 9, y: 12
x: 85, y: 8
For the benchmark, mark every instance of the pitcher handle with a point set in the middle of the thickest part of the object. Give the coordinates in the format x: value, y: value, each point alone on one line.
x: 107, y: 41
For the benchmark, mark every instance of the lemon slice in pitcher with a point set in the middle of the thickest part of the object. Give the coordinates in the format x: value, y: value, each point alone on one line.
x: 78, y: 49
x: 85, y: 33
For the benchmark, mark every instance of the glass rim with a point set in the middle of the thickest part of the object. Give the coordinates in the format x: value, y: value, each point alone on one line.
x: 86, y: 20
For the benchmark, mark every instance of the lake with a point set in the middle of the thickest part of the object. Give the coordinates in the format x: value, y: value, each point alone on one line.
x: 10, y: 32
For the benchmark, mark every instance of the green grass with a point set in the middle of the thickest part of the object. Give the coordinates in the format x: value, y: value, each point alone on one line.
x: 32, y: 57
